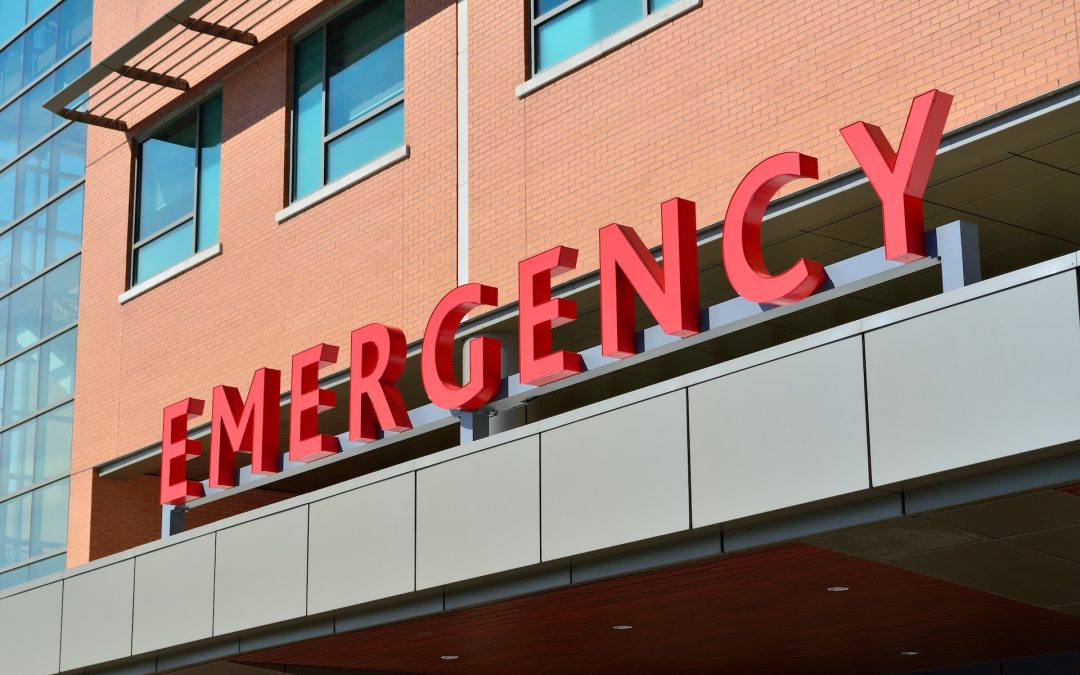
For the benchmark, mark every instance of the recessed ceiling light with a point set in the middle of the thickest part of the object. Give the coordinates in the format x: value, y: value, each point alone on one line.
x: 837, y: 589
x: 909, y: 653
x: 622, y: 627
x: 449, y: 658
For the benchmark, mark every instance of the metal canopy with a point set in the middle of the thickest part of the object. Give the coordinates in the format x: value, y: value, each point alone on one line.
x: 162, y: 55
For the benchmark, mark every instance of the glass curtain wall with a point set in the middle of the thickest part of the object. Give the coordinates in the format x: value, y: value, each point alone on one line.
x: 44, y: 45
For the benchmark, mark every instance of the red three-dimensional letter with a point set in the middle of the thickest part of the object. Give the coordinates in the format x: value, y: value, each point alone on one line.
x: 176, y: 449
x: 900, y: 178
x: 742, y: 235
x: 670, y: 293
x: 377, y: 360
x: 437, y: 353
x: 538, y: 313
x: 236, y: 426
x: 308, y: 400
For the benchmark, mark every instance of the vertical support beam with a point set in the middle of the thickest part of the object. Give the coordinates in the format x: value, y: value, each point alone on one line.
x: 957, y: 245
x: 462, y: 142
x: 172, y: 520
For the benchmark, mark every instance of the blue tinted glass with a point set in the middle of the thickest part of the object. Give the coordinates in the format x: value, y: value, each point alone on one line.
x: 162, y: 253
x: 9, y: 132
x: 35, y: 120
x: 57, y: 370
x: 167, y: 181
x: 19, y: 575
x: 12, y: 18
x: 657, y: 4
x: 308, y: 134
x: 52, y: 443
x: 74, y: 24
x: 209, y: 172
x: 47, y: 566
x: 581, y: 26
x: 41, y: 44
x: 48, y: 519
x: 21, y: 386
x: 36, y: 7
x: 60, y: 302
x: 545, y: 6
x: 365, y: 61
x: 367, y: 142
x: 17, y: 457
x: 42, y: 173
x: 41, y: 240
x: 11, y: 68
x: 24, y: 324
x: 15, y: 530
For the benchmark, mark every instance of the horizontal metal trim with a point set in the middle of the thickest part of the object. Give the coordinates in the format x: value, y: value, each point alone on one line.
x: 163, y: 231
x: 40, y: 273
x: 29, y: 24
x: 170, y: 273
x: 37, y: 144
x: 30, y: 488
x: 609, y: 44
x: 348, y: 180
x: 42, y: 206
x: 359, y: 121
x: 31, y: 561
x: 40, y: 78
x: 37, y: 413
x: 26, y: 350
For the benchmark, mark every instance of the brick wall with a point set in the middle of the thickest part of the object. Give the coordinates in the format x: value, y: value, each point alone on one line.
x: 683, y: 111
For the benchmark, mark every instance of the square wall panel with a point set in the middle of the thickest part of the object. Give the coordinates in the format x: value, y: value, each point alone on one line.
x: 478, y: 514
x: 781, y: 434
x: 362, y: 545
x: 97, y: 615
x: 30, y: 631
x: 174, y: 595
x: 261, y: 572
x: 990, y: 378
x: 615, y: 478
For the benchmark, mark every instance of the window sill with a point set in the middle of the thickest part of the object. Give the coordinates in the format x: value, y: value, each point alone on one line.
x: 170, y: 273
x: 348, y: 180
x: 608, y: 44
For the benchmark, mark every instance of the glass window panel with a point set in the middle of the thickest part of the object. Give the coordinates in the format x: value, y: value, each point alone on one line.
x: 19, y: 575
x: 41, y: 44
x: 657, y: 4
x: 545, y: 6
x: 7, y: 196
x: 17, y: 457
x: 60, y: 305
x: 74, y: 24
x: 15, y: 530
x: 57, y: 370
x: 5, y: 262
x: 52, y: 565
x: 24, y: 324
x: 581, y: 26
x: 36, y: 7
x: 52, y: 443
x: 64, y: 226
x: 308, y: 134
x: 4, y: 305
x: 369, y: 141
x: 167, y: 183
x: 164, y: 252
x: 48, y: 519
x: 209, y: 173
x: 9, y: 132
x: 365, y: 58
x: 21, y: 387
x: 28, y: 243
x: 52, y: 167
x: 35, y: 121
x: 11, y: 68
x: 12, y: 18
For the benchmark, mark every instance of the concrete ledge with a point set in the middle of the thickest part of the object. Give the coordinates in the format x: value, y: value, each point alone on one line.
x: 170, y: 273
x: 348, y: 180
x: 608, y: 44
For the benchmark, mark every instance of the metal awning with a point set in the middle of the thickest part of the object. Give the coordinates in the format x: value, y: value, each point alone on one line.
x: 169, y: 56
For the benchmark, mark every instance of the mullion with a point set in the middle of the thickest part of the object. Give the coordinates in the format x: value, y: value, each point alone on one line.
x: 163, y: 231
x: 375, y: 112
x: 325, y: 100
x: 551, y: 13
x: 198, y: 169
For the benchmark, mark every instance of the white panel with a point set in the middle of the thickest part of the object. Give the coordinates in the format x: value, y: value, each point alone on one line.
x: 174, y: 595
x: 30, y: 631
x: 979, y: 381
x: 615, y: 478
x: 261, y: 572
x: 362, y: 545
x: 780, y: 434
x: 97, y: 616
x: 478, y: 514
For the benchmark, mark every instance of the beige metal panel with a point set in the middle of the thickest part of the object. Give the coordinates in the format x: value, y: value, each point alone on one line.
x: 97, y: 615
x: 261, y: 571
x: 478, y: 514
x: 362, y: 545
x: 986, y: 379
x: 780, y: 434
x: 30, y: 631
x: 615, y: 478
x: 174, y: 595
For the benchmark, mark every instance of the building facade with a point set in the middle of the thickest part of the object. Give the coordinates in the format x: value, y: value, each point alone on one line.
x: 46, y: 46
x: 330, y: 418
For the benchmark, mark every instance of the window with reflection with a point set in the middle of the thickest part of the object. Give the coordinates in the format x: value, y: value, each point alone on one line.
x: 562, y: 28
x: 349, y: 93
x: 51, y: 38
x: 176, y: 209
x: 33, y: 525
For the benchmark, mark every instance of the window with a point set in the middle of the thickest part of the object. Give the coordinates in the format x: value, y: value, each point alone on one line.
x: 562, y: 28
x: 50, y: 39
x: 349, y: 92
x: 176, y: 206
